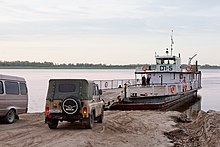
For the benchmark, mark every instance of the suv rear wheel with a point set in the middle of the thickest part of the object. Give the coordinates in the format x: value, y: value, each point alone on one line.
x: 100, y: 118
x: 53, y: 124
x: 91, y: 121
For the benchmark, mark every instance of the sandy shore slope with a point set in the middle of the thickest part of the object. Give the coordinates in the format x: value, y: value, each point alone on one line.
x: 120, y: 128
x: 202, y: 132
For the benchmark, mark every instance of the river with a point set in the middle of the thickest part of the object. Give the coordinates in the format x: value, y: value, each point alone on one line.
x: 37, y: 82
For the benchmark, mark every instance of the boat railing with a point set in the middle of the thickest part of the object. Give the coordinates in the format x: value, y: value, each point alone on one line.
x: 120, y: 83
x: 112, y: 84
x: 138, y: 90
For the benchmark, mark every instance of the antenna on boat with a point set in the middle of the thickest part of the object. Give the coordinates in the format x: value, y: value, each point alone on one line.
x: 172, y: 42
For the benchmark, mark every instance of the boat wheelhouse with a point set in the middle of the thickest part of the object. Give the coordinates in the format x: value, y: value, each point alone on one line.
x: 169, y: 70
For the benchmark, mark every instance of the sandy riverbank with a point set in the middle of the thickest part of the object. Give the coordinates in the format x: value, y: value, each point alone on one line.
x: 202, y: 132
x: 120, y: 128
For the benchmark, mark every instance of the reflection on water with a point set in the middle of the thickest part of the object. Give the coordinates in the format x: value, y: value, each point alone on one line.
x: 190, y: 108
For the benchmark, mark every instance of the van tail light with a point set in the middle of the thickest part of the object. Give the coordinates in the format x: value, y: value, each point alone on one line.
x: 47, y: 111
x: 84, y: 110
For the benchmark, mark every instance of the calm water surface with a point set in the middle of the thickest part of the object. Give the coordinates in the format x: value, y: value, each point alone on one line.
x: 37, y: 81
x: 210, y: 91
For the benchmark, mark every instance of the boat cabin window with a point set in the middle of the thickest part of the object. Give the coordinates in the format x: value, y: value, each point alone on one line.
x: 181, y: 76
x: 166, y: 61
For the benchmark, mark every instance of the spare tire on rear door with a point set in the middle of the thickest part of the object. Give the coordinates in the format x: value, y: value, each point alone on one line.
x: 70, y: 105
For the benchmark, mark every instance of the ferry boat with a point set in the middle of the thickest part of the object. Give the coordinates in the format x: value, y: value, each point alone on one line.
x: 169, y: 83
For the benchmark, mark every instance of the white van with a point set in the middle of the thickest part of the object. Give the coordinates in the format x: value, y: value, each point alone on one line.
x: 13, y: 97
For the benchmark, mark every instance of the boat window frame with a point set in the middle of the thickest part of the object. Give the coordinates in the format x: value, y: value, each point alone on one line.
x: 166, y: 61
x: 172, y: 76
x: 181, y: 76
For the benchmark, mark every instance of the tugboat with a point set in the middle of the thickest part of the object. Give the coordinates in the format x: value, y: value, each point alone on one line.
x: 167, y: 84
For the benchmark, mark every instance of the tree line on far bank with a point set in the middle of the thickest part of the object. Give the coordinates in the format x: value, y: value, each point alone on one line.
x: 27, y: 64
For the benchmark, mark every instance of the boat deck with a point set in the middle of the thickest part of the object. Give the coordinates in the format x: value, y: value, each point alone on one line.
x: 111, y: 96
x: 147, y: 94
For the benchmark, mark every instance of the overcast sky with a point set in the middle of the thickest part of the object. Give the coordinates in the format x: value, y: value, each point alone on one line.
x: 108, y: 31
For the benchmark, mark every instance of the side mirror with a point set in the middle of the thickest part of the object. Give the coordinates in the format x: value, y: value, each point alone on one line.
x: 100, y: 91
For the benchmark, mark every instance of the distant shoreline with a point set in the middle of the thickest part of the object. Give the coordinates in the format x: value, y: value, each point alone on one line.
x: 51, y: 65
x: 107, y: 67
x: 23, y: 67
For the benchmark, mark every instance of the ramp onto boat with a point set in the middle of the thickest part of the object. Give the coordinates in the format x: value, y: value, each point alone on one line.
x: 111, y: 96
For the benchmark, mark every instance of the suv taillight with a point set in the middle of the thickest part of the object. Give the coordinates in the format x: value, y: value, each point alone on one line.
x: 84, y: 110
x: 47, y: 111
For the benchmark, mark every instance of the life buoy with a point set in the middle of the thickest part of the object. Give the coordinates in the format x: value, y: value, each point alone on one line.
x: 144, y: 68
x: 188, y: 68
x: 185, y: 87
x: 172, y: 89
x: 106, y: 84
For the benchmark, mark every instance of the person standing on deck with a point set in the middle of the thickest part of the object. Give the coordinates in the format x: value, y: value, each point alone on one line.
x: 184, y: 79
x: 138, y: 82
x: 143, y: 81
x: 148, y: 80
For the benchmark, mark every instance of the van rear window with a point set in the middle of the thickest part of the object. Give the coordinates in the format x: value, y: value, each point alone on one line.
x: 11, y: 88
x: 67, y: 87
x: 1, y: 88
x: 23, y: 88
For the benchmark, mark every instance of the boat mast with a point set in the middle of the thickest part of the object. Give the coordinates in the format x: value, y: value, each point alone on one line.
x: 190, y: 59
x: 172, y: 42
